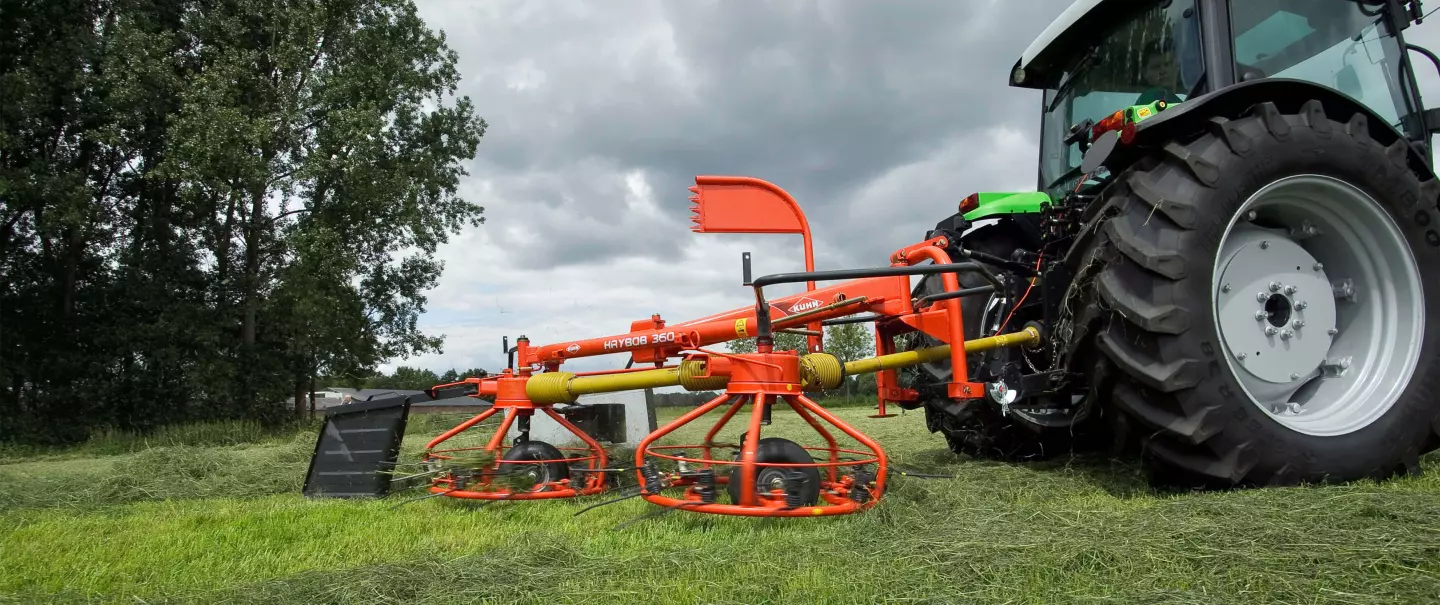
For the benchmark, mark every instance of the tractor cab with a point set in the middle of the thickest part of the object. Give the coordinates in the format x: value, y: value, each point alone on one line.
x: 1101, y: 58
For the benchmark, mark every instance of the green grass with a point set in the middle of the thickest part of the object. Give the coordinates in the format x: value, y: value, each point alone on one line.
x: 185, y: 523
x: 109, y: 442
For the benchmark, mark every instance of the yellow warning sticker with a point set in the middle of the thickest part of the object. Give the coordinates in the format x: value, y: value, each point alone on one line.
x: 740, y: 328
x: 817, y: 511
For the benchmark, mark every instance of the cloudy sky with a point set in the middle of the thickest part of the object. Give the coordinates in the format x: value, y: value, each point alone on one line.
x: 877, y: 116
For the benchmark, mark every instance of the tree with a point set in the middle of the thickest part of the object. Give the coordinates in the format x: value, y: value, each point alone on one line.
x: 849, y: 342
x: 783, y: 342
x: 405, y: 378
x: 206, y: 205
x: 453, y: 375
x: 319, y: 135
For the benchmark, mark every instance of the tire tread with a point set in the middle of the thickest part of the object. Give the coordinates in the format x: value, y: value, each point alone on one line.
x: 1150, y: 216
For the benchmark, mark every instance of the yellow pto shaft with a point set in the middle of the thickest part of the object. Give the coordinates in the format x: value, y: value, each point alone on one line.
x: 1024, y: 338
x: 820, y: 371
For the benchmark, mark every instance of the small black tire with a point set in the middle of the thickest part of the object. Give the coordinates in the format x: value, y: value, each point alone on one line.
x: 783, y: 451
x: 537, y: 450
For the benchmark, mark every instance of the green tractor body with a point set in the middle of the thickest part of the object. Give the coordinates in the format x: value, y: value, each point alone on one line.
x: 1230, y: 250
x: 992, y: 204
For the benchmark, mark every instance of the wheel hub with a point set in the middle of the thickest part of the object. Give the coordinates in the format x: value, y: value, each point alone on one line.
x: 776, y: 481
x: 1276, y: 307
x: 1318, y: 304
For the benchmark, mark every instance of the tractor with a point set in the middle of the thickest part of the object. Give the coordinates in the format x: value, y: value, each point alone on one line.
x: 1226, y: 251
x: 1221, y: 268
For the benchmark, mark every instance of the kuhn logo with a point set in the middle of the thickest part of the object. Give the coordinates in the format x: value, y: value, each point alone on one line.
x: 572, y: 349
x: 804, y: 304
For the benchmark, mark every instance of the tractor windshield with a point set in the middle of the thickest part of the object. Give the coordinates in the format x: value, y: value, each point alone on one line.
x: 1153, y: 55
x: 1342, y: 45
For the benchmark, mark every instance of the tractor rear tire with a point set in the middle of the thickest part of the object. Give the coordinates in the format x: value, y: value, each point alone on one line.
x: 1219, y: 378
x: 977, y: 428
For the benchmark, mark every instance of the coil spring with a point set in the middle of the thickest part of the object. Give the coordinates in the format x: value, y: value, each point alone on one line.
x: 820, y: 372
x: 705, y: 485
x: 690, y: 370
x: 654, y: 481
x: 550, y: 387
x: 459, y: 479
x: 794, y: 483
x: 860, y: 490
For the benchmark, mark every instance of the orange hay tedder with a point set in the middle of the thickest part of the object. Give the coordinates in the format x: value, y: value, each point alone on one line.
x: 770, y: 476
x: 1221, y: 271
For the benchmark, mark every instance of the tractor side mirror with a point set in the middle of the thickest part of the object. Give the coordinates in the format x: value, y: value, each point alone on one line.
x: 1095, y: 158
x: 1080, y: 134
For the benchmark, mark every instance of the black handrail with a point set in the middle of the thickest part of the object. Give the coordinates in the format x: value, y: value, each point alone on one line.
x: 764, y: 334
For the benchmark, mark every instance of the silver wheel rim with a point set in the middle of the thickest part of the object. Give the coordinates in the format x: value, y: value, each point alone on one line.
x: 1318, y: 304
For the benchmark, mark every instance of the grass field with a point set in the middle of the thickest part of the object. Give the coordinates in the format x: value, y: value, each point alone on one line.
x: 213, y: 514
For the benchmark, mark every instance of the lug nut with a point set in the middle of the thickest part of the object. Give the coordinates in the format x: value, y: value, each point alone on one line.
x: 1297, y: 324
x: 1343, y: 288
x: 1319, y: 266
x: 1300, y: 306
x: 1260, y: 316
x: 1261, y: 297
x: 1286, y: 335
x: 1290, y: 289
x: 1335, y: 366
x: 1275, y: 286
x: 1270, y: 330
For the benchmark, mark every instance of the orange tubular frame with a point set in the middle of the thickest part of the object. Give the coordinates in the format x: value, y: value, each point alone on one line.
x: 761, y: 379
x: 765, y: 378
x: 509, y: 392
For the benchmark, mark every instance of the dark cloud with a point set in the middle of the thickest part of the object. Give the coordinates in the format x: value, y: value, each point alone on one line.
x: 878, y: 116
x: 819, y: 97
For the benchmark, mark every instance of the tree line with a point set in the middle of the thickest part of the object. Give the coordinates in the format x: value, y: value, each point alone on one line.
x: 207, y: 204
x: 404, y: 378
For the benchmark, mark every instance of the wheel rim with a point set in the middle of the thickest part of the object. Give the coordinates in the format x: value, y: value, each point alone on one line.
x: 1319, y: 305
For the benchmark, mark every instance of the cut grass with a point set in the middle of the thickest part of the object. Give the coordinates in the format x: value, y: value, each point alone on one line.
x: 160, y: 473
x: 109, y: 442
x: 1076, y: 530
